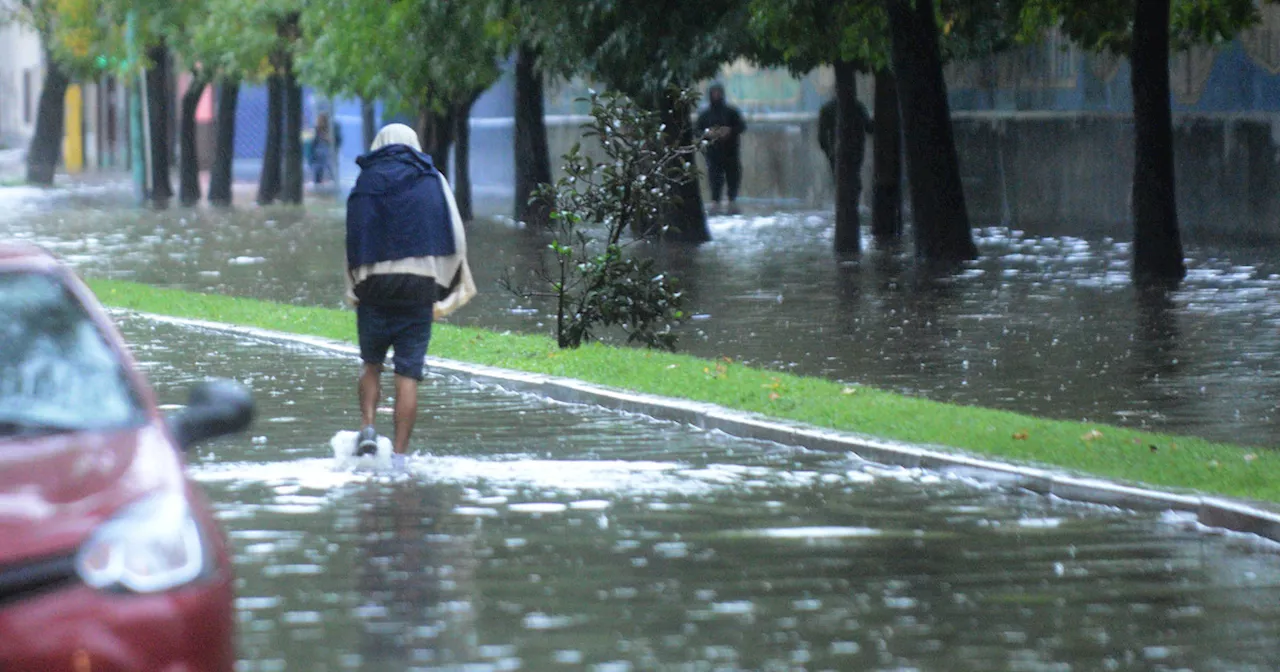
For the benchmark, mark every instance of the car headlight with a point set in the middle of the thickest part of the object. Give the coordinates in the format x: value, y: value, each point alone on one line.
x: 152, y: 545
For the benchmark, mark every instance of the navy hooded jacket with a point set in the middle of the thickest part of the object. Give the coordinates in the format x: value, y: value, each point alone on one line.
x: 397, y: 209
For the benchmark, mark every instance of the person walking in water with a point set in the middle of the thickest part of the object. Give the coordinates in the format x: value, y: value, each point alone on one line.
x: 406, y: 266
x: 327, y: 141
x: 722, y: 125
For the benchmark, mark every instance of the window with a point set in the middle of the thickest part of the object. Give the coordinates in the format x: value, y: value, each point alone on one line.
x: 57, y: 371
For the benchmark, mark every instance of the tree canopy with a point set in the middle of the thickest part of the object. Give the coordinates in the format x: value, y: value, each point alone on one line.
x: 644, y: 48
x: 1107, y: 25
x: 416, y: 53
x: 804, y: 34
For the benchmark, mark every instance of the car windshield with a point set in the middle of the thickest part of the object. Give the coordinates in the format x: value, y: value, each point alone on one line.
x: 57, y: 371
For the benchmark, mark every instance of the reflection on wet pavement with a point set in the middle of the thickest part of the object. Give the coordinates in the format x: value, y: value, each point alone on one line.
x: 1044, y: 323
x: 534, y: 535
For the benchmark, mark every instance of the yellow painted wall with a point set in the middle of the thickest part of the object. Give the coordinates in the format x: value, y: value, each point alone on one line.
x: 73, y: 138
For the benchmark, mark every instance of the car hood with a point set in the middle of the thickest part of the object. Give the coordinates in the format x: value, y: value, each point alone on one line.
x: 55, y: 490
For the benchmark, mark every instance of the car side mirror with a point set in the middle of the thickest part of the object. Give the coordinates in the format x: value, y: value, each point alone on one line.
x: 216, y: 408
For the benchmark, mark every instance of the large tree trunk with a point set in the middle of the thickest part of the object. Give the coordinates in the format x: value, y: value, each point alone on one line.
x: 158, y: 108
x: 532, y: 156
x: 686, y: 220
x: 269, y: 181
x: 1157, y: 244
x: 436, y: 136
x: 368, y: 124
x: 189, y: 166
x: 46, y: 144
x: 942, y: 228
x: 886, y: 193
x: 849, y: 139
x: 291, y: 171
x: 462, y: 156
x: 220, y: 177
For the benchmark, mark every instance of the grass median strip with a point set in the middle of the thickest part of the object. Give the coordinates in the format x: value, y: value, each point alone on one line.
x: 1177, y: 462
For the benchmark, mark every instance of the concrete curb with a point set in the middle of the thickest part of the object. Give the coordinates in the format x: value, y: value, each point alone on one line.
x: 1209, y: 511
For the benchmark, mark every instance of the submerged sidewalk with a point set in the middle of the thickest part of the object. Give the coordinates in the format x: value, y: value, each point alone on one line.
x: 1207, y: 510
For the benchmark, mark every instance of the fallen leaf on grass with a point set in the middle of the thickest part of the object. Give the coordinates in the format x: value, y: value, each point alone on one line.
x: 1250, y: 457
x: 1020, y: 436
x: 774, y: 396
x: 1091, y: 435
x: 849, y: 390
x: 673, y: 366
x: 1213, y: 464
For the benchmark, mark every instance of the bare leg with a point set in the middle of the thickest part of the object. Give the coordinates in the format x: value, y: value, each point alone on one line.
x: 369, y: 392
x: 406, y: 411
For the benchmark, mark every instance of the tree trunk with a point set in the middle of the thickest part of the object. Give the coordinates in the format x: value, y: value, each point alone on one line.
x: 292, y: 171
x: 942, y: 228
x: 532, y: 156
x: 687, y: 219
x: 849, y: 137
x: 172, y: 87
x: 462, y: 156
x: 368, y: 124
x: 46, y: 144
x: 189, y: 166
x: 269, y: 181
x: 436, y: 136
x: 1157, y: 244
x: 886, y: 194
x: 158, y: 107
x: 224, y: 146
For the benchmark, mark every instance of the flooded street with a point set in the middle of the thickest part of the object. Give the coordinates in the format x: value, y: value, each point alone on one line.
x: 1044, y: 323
x: 543, y: 536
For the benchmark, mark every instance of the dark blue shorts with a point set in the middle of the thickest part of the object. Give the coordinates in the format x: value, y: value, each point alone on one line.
x: 406, y: 330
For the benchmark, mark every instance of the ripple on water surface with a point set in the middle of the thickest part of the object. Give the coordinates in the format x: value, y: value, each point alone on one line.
x: 1062, y: 331
x: 533, y: 535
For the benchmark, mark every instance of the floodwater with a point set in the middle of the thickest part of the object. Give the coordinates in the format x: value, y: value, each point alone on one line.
x: 541, y: 536
x: 1044, y: 323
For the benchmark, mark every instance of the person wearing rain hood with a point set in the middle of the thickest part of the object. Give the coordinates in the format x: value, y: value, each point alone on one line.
x: 406, y: 266
x: 722, y: 125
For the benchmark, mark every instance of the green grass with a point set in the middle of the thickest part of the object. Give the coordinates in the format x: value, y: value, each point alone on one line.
x: 1176, y: 462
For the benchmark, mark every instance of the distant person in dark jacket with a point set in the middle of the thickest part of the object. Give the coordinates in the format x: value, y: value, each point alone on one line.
x: 406, y: 265
x: 328, y: 138
x: 722, y: 125
x: 863, y: 126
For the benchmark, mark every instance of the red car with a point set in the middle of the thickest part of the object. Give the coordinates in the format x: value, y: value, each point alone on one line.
x: 110, y: 558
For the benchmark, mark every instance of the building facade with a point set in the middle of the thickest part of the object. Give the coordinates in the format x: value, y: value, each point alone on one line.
x: 1241, y: 76
x: 21, y: 74
x: 95, y: 131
